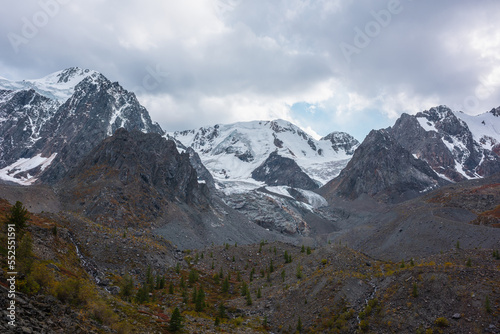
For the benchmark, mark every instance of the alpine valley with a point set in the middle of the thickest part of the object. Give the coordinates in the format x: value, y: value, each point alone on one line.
x: 248, y: 227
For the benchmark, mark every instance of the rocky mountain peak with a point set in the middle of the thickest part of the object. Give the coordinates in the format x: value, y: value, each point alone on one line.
x: 495, y: 111
x: 456, y: 145
x: 73, y: 73
x: 382, y: 168
x: 64, y: 114
x: 342, y: 141
x: 131, y: 174
x: 436, y: 113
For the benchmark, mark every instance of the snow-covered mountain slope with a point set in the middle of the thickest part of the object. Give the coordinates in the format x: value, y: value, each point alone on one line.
x: 485, y: 128
x: 58, y: 86
x: 456, y: 145
x: 56, y: 120
x: 232, y: 152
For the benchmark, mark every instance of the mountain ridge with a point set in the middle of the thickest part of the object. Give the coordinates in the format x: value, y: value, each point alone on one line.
x: 62, y: 131
x: 233, y: 151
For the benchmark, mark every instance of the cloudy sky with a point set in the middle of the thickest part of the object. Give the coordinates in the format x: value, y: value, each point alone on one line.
x: 346, y: 65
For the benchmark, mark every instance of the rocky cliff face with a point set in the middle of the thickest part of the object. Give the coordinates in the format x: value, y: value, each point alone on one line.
x: 342, y: 141
x: 23, y: 115
x: 455, y: 145
x: 384, y: 169
x: 426, y: 145
x: 280, y: 171
x: 57, y: 120
x: 395, y: 162
x: 132, y: 177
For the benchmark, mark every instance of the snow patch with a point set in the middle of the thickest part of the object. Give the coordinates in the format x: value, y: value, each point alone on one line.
x: 426, y: 125
x: 25, y: 164
x: 315, y: 200
x: 485, y: 128
x: 280, y: 190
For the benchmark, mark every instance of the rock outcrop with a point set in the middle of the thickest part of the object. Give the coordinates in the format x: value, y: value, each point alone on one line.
x: 132, y: 177
x: 383, y: 169
x: 281, y: 171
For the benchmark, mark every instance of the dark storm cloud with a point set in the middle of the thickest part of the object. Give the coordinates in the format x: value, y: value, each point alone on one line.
x: 198, y: 62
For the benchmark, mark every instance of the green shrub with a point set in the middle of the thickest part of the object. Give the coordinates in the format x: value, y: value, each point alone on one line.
x: 414, y: 292
x: 363, y: 325
x: 442, y: 322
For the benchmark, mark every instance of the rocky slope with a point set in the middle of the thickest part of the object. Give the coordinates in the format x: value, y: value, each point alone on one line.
x: 457, y: 146
x: 56, y: 120
x: 131, y: 177
x: 139, y: 180
x: 326, y: 289
x: 420, y: 153
x: 384, y: 169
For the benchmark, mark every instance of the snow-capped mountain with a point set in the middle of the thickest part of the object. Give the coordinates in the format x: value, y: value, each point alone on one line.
x: 233, y: 152
x: 382, y: 168
x: 57, y: 86
x: 456, y: 145
x: 56, y: 120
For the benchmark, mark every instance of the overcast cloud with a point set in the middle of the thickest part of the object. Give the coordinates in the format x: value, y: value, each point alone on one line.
x: 324, y: 64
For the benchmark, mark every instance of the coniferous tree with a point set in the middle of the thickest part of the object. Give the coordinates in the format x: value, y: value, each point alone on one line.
x: 222, y: 311
x: 142, y: 295
x: 225, y: 285
x: 149, y: 276
x: 127, y: 287
x: 194, y: 296
x: 175, y: 324
x: 244, y: 289
x: 193, y: 276
x: 200, y: 301
x: 249, y: 298
x: 25, y: 255
x: 299, y: 271
x: 18, y: 216
x: 299, y: 325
